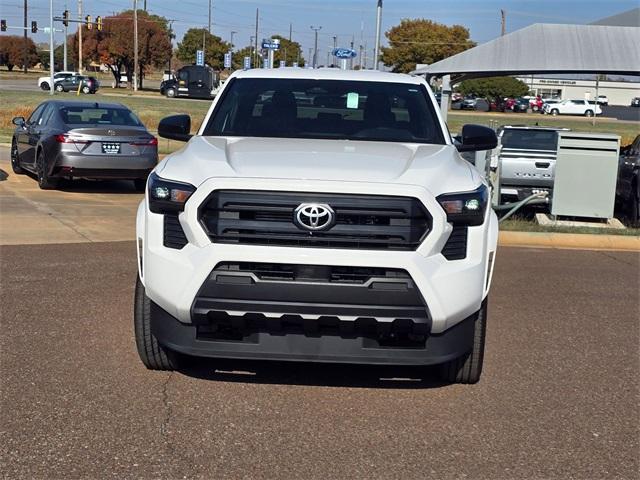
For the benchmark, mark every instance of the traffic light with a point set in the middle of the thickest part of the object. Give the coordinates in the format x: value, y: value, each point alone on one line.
x: 99, y: 22
x: 3, y: 25
x: 65, y: 18
x: 87, y: 19
x: 34, y: 27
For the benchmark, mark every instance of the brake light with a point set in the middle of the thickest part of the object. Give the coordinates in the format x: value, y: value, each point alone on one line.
x: 65, y: 138
x: 151, y: 142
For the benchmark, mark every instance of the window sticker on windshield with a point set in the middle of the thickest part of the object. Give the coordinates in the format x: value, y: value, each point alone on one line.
x: 352, y: 100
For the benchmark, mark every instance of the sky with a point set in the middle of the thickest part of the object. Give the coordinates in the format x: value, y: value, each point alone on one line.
x: 346, y: 19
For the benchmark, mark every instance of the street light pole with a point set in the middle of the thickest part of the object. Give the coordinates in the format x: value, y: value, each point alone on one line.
x: 315, y: 46
x: 378, y: 25
x: 24, y: 45
x: 233, y: 32
x: 79, y: 38
x: 51, y: 48
x: 135, y: 45
x: 209, y: 29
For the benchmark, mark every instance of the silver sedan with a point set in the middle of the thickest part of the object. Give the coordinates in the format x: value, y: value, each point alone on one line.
x: 66, y: 139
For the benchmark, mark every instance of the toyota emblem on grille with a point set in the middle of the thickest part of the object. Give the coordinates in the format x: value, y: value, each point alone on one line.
x: 314, y: 216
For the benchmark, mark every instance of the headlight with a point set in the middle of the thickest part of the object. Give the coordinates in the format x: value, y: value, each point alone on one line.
x: 465, y: 208
x: 167, y: 196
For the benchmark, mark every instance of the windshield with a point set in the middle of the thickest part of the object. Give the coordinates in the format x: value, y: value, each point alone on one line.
x: 530, y: 139
x: 73, y: 115
x: 326, y: 109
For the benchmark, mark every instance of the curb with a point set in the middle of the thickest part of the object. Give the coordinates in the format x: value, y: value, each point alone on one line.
x: 578, y: 241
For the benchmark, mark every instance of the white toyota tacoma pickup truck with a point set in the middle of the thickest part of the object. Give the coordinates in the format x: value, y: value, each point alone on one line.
x: 317, y: 215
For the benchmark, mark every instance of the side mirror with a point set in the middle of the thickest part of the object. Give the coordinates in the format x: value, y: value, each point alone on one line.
x: 19, y: 121
x: 175, y: 127
x: 476, y: 138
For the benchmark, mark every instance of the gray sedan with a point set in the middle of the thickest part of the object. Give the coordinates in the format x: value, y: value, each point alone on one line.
x: 66, y: 139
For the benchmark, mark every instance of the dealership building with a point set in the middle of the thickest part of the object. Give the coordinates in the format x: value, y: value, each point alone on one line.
x: 618, y: 93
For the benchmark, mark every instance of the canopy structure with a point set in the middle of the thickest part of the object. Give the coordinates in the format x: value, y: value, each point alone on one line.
x: 547, y: 49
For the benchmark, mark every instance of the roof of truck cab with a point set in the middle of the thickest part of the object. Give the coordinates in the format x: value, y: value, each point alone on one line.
x: 327, y: 74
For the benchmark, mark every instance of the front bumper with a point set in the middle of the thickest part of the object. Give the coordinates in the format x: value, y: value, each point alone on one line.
x: 452, y: 290
x: 187, y: 339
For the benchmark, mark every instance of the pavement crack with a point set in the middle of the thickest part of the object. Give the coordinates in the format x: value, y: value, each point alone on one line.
x: 167, y: 409
x: 613, y: 257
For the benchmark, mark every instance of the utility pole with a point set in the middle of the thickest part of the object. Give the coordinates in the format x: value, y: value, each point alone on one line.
x: 145, y: 5
x: 351, y: 59
x: 79, y: 38
x: 311, y: 54
x: 376, y: 52
x: 66, y: 34
x: 135, y: 45
x: 233, y: 32
x: 51, y: 48
x: 257, y: 41
x: 503, y: 13
x: 24, y: 46
x: 315, y: 46
x: 209, y: 29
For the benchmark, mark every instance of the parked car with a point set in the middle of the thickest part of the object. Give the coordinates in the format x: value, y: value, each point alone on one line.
x: 521, y: 105
x: 535, y: 103
x: 375, y: 246
x: 63, y: 139
x: 635, y: 102
x: 469, y: 103
x: 574, y: 107
x: 191, y: 81
x: 43, y: 82
x: 527, y: 160
x: 602, y: 100
x: 628, y: 185
x: 71, y: 84
x: 546, y: 104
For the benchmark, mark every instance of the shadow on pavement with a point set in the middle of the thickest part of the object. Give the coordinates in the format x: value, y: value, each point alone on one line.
x: 97, y: 186
x: 313, y: 374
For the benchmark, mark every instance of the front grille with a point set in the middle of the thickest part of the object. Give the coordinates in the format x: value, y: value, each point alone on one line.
x: 311, y: 273
x: 456, y: 246
x: 362, y: 221
x: 174, y: 236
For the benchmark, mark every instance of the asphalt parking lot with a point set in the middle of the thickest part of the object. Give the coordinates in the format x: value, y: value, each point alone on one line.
x: 558, y: 397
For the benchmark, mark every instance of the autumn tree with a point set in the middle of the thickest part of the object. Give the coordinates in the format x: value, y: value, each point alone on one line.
x: 113, y: 46
x: 423, y: 41
x: 215, y: 47
x: 12, y: 51
x: 494, y: 87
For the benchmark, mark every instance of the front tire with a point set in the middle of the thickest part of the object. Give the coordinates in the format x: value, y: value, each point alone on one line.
x: 634, y: 203
x: 15, y: 161
x: 588, y: 113
x: 153, y: 355
x: 468, y: 368
x: 555, y: 112
x: 59, y: 88
x: 171, y: 92
x: 45, y: 182
x: 86, y: 90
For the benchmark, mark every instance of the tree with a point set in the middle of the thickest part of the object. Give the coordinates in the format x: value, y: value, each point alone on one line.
x: 494, y: 87
x: 292, y: 50
x: 237, y: 60
x: 422, y: 41
x: 12, y: 51
x: 215, y: 48
x: 113, y: 46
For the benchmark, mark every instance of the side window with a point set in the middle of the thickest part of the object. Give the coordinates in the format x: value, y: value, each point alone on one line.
x: 35, y: 116
x: 46, y: 115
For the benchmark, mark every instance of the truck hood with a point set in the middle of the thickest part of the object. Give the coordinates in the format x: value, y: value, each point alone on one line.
x: 432, y: 166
